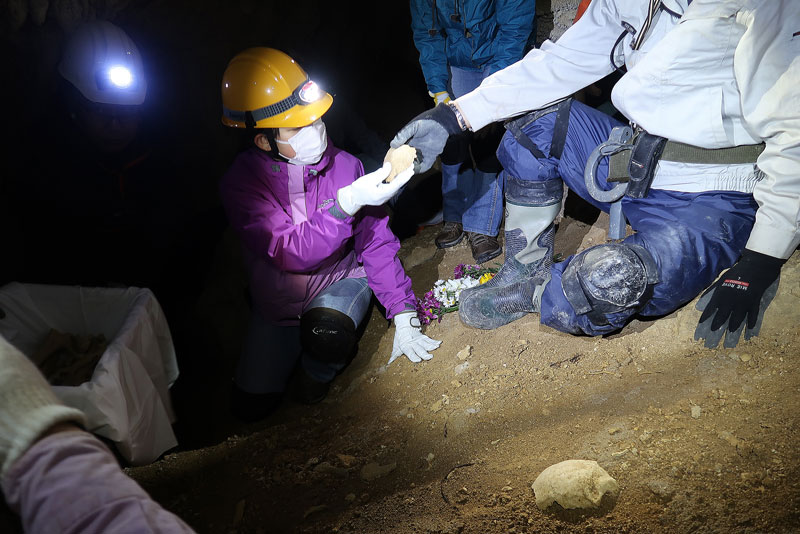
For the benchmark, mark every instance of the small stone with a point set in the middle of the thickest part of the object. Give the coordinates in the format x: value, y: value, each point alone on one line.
x: 314, y: 510
x: 346, y: 459
x: 441, y: 403
x: 729, y: 437
x: 400, y: 158
x: 662, y: 490
x: 696, y: 411
x: 350, y: 497
x: 745, y: 357
x: 464, y: 353
x: 326, y: 468
x: 460, y: 368
x: 373, y: 470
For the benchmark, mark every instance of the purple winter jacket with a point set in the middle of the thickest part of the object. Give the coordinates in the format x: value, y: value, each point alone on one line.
x: 297, y: 241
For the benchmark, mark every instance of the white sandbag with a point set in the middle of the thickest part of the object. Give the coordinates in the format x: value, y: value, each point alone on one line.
x: 127, y: 399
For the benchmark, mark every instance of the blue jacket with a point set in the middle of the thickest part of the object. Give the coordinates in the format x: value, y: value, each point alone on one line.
x: 485, y: 33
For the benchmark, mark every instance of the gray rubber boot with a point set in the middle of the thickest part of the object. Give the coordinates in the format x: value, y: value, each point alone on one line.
x: 531, y: 208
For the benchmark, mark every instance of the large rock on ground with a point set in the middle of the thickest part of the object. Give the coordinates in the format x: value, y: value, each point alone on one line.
x: 573, y: 484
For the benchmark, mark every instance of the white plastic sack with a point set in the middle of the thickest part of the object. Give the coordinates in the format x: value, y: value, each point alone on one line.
x: 127, y: 399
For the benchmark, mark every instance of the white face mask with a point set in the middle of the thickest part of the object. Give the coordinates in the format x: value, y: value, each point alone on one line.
x: 309, y: 143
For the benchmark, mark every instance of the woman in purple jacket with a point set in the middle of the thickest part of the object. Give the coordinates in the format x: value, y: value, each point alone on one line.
x: 316, y: 242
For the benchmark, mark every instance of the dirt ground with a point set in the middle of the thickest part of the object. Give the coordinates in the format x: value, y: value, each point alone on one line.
x: 699, y: 440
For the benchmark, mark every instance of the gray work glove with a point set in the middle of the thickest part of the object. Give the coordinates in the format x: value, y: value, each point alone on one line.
x: 371, y: 190
x: 409, y: 339
x: 737, y: 300
x: 28, y: 406
x: 428, y: 133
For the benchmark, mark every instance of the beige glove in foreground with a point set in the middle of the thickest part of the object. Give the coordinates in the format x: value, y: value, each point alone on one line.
x: 28, y: 406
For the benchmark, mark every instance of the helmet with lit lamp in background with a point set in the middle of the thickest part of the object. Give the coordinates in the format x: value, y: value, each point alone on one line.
x: 104, y: 65
x: 265, y: 88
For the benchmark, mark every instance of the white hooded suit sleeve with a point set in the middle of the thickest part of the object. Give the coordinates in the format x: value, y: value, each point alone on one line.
x: 767, y: 70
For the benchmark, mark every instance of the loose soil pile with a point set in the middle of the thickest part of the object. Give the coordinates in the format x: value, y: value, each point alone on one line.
x: 699, y: 440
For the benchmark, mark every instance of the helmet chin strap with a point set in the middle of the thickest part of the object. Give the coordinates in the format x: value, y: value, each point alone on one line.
x: 269, y: 133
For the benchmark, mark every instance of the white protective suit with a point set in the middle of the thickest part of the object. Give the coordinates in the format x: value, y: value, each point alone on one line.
x: 717, y: 73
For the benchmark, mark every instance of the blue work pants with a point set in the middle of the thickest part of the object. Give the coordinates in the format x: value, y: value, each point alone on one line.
x: 471, y: 196
x: 691, y: 236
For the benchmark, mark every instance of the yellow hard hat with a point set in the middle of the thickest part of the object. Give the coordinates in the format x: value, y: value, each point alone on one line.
x: 265, y: 88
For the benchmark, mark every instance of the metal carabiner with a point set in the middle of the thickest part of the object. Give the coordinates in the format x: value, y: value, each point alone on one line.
x: 618, y: 140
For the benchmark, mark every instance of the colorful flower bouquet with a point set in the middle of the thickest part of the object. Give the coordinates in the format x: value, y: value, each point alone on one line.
x: 444, y: 296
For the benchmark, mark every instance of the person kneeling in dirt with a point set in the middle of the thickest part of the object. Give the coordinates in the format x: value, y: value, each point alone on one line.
x: 56, y: 476
x: 711, y: 162
x: 316, y: 241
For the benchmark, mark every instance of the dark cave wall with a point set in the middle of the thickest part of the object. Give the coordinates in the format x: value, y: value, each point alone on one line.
x: 364, y: 57
x: 362, y: 53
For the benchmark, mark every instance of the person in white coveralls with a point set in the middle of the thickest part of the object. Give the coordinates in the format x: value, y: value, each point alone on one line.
x: 707, y: 172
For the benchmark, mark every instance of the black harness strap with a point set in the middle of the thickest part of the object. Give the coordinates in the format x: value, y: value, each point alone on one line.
x: 516, y: 130
x: 560, y: 128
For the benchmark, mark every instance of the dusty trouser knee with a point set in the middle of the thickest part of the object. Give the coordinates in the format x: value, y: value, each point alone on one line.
x: 328, y: 335
x: 609, y: 279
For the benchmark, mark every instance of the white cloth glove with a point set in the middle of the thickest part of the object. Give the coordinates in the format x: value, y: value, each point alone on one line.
x: 370, y: 190
x: 28, y: 406
x: 409, y: 339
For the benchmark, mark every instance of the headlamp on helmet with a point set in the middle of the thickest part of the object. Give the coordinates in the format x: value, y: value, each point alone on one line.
x: 115, y: 78
x: 120, y: 76
x: 265, y: 88
x: 104, y: 65
x: 309, y: 92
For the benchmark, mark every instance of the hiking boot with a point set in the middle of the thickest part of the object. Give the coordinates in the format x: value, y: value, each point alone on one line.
x: 451, y: 235
x: 484, y: 247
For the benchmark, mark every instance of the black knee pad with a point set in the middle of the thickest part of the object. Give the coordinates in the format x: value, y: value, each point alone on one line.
x: 328, y: 335
x: 609, y: 279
